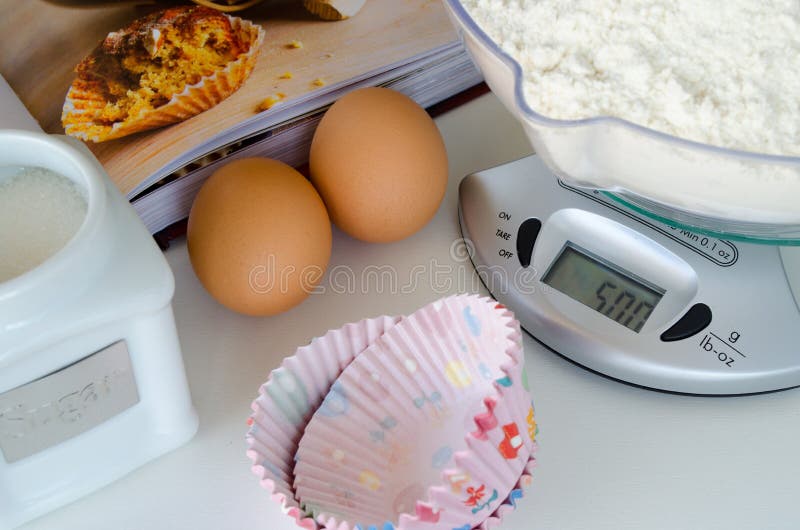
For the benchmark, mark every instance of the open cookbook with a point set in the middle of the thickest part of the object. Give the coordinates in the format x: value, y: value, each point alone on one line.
x: 304, y: 64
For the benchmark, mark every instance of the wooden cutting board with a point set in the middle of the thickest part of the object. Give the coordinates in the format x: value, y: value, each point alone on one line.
x: 41, y: 42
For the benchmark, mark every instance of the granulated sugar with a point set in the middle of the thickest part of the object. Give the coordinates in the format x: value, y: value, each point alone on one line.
x: 40, y: 211
x: 725, y: 73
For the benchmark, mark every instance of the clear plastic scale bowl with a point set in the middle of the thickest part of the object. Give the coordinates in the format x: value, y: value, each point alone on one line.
x: 723, y: 192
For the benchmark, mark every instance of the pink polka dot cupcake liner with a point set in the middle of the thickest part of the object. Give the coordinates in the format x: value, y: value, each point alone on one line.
x: 419, y: 422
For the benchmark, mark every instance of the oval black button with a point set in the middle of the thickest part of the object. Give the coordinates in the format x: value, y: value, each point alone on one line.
x: 696, y: 319
x: 526, y: 237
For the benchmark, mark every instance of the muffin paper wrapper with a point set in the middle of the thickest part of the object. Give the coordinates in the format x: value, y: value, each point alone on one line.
x: 419, y: 422
x: 393, y: 440
x: 84, y: 103
x: 290, y: 396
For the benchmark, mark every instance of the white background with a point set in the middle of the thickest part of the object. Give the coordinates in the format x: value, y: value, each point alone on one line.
x: 611, y: 456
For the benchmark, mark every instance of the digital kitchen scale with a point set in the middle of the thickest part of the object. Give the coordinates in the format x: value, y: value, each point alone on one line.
x: 627, y: 296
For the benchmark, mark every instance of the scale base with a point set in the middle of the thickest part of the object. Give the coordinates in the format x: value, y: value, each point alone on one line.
x: 747, y: 347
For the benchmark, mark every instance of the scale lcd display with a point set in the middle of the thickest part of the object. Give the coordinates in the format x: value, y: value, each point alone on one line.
x: 603, y: 287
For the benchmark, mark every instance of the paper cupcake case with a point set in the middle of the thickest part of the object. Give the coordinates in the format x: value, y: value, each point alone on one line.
x: 456, y: 333
x: 83, y: 103
x: 428, y: 424
x: 287, y: 400
x: 508, y: 505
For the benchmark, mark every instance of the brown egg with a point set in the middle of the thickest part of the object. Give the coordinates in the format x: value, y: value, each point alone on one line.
x: 259, y: 236
x: 380, y: 164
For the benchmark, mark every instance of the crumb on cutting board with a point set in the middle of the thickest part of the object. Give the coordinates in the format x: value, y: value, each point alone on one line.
x: 295, y: 44
x: 318, y: 82
x: 286, y: 75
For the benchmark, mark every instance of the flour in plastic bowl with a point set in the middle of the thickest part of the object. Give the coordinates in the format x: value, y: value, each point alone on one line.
x: 721, y: 74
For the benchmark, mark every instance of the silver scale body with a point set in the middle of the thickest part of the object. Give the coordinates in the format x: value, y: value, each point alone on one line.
x: 751, y: 343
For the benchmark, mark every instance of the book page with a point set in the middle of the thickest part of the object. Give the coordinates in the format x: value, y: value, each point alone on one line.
x: 42, y: 42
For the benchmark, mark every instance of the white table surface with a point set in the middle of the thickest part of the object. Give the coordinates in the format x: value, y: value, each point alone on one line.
x: 611, y: 456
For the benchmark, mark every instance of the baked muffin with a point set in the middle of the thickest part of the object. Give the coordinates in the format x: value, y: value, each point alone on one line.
x: 161, y: 69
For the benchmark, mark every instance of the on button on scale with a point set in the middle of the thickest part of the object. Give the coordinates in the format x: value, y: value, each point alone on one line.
x: 526, y: 237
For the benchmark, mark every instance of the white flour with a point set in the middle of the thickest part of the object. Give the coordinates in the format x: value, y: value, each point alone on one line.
x: 720, y: 72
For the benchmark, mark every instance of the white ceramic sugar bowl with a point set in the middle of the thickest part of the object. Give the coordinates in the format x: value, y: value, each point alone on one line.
x: 92, y: 383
